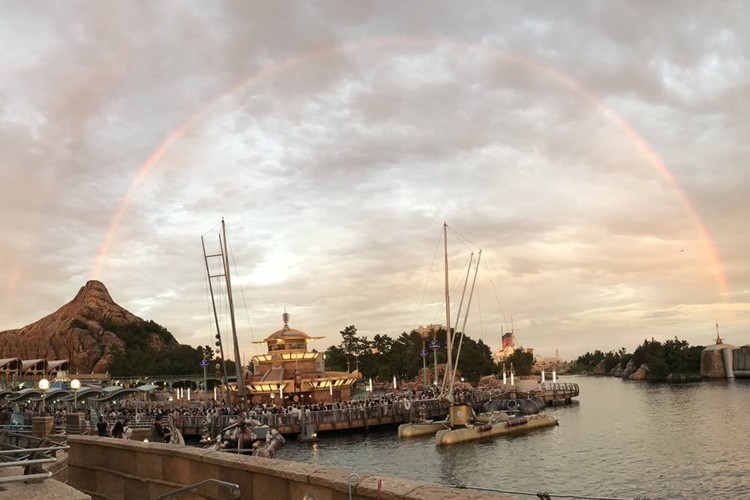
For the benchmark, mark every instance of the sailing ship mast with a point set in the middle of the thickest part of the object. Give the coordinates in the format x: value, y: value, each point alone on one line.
x: 237, y: 360
x: 237, y: 363
x: 456, y: 412
x: 449, y: 342
x: 216, y: 316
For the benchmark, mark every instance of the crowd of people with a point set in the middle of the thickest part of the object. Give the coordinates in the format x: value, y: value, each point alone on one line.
x: 120, y: 429
x: 117, y: 418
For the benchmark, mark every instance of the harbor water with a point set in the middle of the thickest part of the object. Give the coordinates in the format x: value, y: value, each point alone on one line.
x: 619, y: 439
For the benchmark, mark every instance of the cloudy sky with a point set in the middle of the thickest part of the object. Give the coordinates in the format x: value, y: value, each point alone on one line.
x: 597, y: 154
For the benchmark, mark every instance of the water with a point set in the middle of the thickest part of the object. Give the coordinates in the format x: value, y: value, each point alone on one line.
x: 618, y: 440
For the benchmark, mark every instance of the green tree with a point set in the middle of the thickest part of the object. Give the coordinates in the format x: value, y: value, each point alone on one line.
x: 521, y: 361
x: 336, y: 358
x: 475, y: 360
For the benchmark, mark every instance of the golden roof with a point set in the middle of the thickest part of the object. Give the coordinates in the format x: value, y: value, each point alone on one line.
x: 288, y: 334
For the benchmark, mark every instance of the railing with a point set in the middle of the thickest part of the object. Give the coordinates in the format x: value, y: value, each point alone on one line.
x: 343, y: 417
x: 22, y: 450
x: 234, y: 489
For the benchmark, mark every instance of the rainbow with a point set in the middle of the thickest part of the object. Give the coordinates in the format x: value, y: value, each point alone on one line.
x: 555, y: 75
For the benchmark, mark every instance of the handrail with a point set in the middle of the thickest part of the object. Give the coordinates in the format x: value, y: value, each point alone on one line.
x: 345, y: 414
x: 26, y: 477
x: 29, y: 457
x: 234, y: 489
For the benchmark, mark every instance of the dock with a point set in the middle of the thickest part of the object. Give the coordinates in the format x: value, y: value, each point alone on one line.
x: 366, y: 415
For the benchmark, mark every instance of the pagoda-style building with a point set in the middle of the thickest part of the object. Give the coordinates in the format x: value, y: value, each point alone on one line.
x: 290, y: 372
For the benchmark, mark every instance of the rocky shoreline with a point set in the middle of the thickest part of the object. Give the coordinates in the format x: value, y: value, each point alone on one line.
x: 632, y: 372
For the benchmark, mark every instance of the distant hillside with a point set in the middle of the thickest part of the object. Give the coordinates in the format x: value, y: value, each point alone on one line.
x: 84, y: 331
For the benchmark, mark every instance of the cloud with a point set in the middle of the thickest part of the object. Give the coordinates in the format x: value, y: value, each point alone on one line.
x: 336, y: 138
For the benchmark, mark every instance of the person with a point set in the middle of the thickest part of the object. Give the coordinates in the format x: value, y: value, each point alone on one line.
x: 159, y: 433
x: 127, y: 431
x: 117, y: 430
x: 101, y: 426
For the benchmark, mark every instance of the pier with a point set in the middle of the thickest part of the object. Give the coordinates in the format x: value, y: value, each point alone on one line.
x: 336, y: 417
x: 367, y: 416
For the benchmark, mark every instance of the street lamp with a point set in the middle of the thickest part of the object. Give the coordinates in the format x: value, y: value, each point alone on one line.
x: 75, y: 384
x: 435, y: 345
x: 204, y: 364
x: 44, y: 387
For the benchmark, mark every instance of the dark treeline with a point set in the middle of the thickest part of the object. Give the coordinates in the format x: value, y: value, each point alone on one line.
x: 380, y: 358
x: 384, y: 357
x: 673, y: 357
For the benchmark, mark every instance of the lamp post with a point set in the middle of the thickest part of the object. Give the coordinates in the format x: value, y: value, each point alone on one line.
x: 44, y: 387
x: 424, y: 355
x: 75, y: 384
x: 435, y: 345
x: 204, y: 364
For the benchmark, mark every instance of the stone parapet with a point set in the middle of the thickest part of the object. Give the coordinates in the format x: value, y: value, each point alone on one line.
x: 41, y: 427
x: 116, y: 469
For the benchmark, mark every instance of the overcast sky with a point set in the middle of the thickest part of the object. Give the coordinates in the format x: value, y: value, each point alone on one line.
x: 596, y: 152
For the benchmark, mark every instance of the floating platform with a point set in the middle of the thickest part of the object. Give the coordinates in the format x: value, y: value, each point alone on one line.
x: 514, y: 425
x: 418, y: 429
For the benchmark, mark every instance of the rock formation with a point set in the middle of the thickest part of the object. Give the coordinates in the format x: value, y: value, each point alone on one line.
x: 80, y: 331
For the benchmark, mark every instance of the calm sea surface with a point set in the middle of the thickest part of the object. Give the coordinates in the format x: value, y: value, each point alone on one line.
x: 618, y: 440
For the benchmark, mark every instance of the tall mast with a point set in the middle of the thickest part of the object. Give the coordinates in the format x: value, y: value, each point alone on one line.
x: 237, y: 360
x: 216, y: 319
x: 449, y: 341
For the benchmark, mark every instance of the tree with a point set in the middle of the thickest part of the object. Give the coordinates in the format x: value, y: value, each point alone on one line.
x: 521, y: 361
x: 351, y: 344
x: 336, y: 359
x: 475, y: 360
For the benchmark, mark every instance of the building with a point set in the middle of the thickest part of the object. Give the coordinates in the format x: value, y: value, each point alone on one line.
x: 289, y: 372
x: 506, y: 348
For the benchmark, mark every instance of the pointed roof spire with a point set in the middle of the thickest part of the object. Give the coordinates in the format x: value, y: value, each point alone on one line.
x: 285, y: 317
x: 718, y: 339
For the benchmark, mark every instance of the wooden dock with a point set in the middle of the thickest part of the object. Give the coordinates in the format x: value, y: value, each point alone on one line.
x: 367, y: 415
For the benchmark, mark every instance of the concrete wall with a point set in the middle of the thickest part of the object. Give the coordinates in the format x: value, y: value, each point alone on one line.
x: 725, y: 361
x: 109, y: 469
x: 741, y: 362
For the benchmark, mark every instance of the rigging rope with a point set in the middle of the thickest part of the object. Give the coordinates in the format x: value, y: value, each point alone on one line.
x: 542, y: 495
x: 427, y: 281
x: 244, y: 302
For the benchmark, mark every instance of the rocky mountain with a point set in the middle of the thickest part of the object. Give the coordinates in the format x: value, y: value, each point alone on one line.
x: 84, y: 331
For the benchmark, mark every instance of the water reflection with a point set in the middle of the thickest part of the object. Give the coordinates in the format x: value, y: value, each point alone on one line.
x: 622, y: 439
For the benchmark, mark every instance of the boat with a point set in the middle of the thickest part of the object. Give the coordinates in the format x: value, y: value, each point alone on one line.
x: 459, y: 415
x: 462, y: 424
x: 247, y: 436
x: 422, y: 427
x: 498, y: 424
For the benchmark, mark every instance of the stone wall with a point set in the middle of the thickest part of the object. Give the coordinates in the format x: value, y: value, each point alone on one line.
x: 741, y: 361
x: 116, y: 469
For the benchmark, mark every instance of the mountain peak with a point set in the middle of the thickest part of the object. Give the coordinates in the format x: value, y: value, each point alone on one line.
x: 83, y: 331
x: 94, y: 287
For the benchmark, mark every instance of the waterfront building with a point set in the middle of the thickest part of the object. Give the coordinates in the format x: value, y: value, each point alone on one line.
x: 722, y: 360
x: 14, y: 371
x: 289, y: 372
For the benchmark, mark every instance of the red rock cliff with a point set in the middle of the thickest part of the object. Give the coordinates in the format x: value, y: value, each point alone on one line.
x: 78, y: 331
